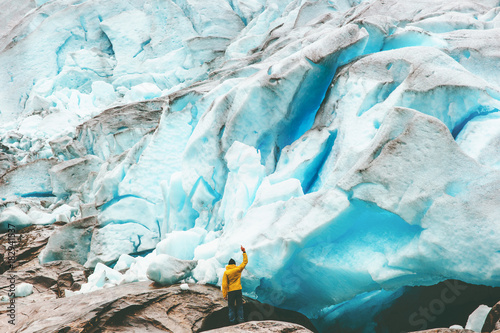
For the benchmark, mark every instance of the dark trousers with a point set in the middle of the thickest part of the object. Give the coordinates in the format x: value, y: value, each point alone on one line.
x: 235, y: 304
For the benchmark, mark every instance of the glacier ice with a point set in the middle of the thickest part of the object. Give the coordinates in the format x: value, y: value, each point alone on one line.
x: 124, y: 262
x: 14, y: 216
x: 476, y: 319
x: 351, y: 146
x: 72, y: 242
x: 181, y: 244
x: 23, y: 289
x: 101, y: 277
x: 166, y: 269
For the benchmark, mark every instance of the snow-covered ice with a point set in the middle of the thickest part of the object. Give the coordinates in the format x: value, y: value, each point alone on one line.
x: 353, y: 147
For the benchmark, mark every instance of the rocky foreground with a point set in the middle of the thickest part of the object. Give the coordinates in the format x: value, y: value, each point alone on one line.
x: 143, y: 307
x: 134, y: 307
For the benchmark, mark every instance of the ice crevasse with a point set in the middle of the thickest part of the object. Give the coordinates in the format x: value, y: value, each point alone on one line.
x: 350, y: 146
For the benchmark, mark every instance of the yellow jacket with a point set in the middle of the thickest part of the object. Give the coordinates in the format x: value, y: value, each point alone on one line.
x: 232, y: 276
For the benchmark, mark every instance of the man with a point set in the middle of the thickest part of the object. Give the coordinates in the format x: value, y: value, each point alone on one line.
x: 231, y: 287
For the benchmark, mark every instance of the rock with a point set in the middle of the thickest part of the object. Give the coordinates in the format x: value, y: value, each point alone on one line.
x: 492, y: 321
x: 70, y: 242
x: 7, y: 161
x: 263, y: 326
x: 256, y: 311
x: 134, y: 307
x: 30, y: 242
x: 445, y: 330
x: 52, y: 278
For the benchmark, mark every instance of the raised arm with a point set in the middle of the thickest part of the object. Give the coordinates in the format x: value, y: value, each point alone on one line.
x: 245, y: 259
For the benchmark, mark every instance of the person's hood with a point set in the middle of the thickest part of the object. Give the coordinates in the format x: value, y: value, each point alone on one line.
x: 230, y: 267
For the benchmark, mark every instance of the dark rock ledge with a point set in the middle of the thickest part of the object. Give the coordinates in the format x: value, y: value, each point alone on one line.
x: 145, y: 307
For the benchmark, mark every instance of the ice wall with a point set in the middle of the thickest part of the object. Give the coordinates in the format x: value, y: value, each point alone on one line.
x: 351, y: 146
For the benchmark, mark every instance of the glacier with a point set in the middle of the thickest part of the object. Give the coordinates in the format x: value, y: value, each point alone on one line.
x: 353, y: 147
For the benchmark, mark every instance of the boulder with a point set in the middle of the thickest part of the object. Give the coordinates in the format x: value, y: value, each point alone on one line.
x: 264, y: 327
x: 444, y: 330
x: 492, y: 321
x: 166, y: 269
x: 255, y: 311
x: 70, y: 242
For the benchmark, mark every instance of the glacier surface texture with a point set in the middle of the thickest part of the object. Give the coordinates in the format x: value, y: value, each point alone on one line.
x: 353, y: 147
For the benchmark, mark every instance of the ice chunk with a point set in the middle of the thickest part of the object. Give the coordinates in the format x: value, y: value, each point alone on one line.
x: 31, y: 179
x: 179, y: 213
x: 141, y: 92
x: 124, y: 262
x: 203, y: 198
x: 138, y: 268
x: 16, y: 217
x: 456, y: 327
x: 181, y: 244
x: 165, y: 269
x: 68, y: 176
x: 103, y: 93
x: 160, y: 159
x: 477, y: 318
x: 109, y: 242
x: 244, y: 178
x: 70, y: 242
x: 282, y: 191
x: 103, y: 277
x: 457, y: 182
x: 480, y: 139
x: 29, y: 126
x: 207, y: 250
x: 24, y: 289
x: 40, y: 217
x: 207, y: 271
x: 128, y: 39
x: 304, y: 158
x: 184, y: 286
x: 132, y: 209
